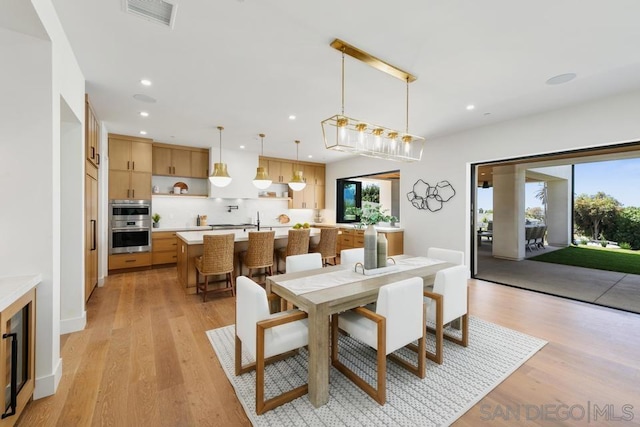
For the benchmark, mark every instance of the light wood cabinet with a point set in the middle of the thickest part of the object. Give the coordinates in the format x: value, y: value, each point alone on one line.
x: 130, y: 166
x: 91, y: 134
x: 138, y: 259
x: 352, y: 238
x: 280, y: 171
x: 200, y: 164
x: 23, y: 313
x: 176, y: 160
x: 91, y: 230
x: 165, y: 244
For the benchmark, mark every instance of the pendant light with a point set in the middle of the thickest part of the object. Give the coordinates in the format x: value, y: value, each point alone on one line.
x: 297, y: 181
x: 220, y: 177
x: 261, y: 181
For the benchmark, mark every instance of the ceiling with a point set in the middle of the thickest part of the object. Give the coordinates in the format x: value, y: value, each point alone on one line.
x: 249, y: 64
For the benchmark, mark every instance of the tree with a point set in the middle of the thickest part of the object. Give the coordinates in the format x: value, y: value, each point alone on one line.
x: 541, y: 195
x: 371, y: 193
x: 534, y: 212
x: 628, y: 227
x: 592, y: 214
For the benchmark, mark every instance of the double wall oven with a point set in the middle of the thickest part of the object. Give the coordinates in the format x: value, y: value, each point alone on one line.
x: 129, y: 226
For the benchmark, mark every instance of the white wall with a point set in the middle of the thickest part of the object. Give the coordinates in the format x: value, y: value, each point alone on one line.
x: 37, y: 74
x: 600, y: 122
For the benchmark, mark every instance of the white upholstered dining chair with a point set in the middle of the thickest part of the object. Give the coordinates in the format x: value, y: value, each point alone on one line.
x: 267, y: 338
x: 397, y: 321
x: 352, y: 256
x: 448, y: 302
x: 447, y: 255
x: 303, y: 262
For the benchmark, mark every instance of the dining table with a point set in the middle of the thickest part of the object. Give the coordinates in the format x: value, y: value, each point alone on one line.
x: 330, y: 290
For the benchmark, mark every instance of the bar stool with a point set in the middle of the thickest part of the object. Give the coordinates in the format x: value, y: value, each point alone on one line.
x: 217, y: 258
x: 259, y: 252
x: 297, y: 244
x: 327, y: 245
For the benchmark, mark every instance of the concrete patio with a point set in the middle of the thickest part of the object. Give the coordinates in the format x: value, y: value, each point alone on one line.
x: 607, y: 288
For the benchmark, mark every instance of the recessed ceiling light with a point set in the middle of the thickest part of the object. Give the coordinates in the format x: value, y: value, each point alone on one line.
x: 145, y: 82
x: 561, y: 78
x: 143, y: 132
x: 242, y: 147
x: 292, y: 117
x: 310, y: 156
x: 471, y: 107
x: 144, y: 98
x: 144, y: 114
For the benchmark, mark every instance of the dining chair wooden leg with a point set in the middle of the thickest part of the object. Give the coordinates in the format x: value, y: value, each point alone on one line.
x: 206, y: 288
x: 197, y: 281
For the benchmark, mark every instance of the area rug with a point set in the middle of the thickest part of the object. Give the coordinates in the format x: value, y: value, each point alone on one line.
x: 447, y: 392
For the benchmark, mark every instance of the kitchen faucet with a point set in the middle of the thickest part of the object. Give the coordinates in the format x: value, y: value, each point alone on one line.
x: 258, y: 220
x: 230, y: 207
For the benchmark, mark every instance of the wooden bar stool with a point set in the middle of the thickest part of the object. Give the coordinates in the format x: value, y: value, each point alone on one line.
x: 217, y: 258
x: 297, y: 244
x: 259, y: 252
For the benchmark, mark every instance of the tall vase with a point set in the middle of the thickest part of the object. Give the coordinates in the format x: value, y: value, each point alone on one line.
x: 382, y: 250
x: 370, y: 248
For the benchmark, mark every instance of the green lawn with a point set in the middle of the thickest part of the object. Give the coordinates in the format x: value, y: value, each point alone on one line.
x: 624, y: 261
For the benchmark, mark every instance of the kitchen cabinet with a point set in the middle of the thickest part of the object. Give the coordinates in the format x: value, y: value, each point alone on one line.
x: 92, y: 134
x: 17, y: 329
x: 164, y: 244
x: 280, y: 171
x: 310, y: 197
x: 136, y: 259
x: 200, y: 163
x: 354, y: 238
x: 90, y: 230
x: 130, y: 166
x: 176, y: 160
x: 130, y: 153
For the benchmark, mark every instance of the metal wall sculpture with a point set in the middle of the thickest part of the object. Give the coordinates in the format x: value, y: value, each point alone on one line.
x: 430, y: 197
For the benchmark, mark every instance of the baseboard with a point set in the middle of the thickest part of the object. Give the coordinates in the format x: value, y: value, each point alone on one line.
x: 47, y: 385
x: 73, y: 325
x: 101, y: 282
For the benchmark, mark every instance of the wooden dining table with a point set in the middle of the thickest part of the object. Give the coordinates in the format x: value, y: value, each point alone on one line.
x: 330, y: 290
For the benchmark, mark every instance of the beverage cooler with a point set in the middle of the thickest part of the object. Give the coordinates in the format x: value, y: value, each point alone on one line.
x: 17, y: 367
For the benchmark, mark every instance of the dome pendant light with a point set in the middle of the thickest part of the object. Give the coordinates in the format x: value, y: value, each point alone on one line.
x: 220, y: 177
x: 261, y: 181
x: 297, y: 181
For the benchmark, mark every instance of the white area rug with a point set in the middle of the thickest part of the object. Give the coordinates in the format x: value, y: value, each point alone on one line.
x: 447, y: 392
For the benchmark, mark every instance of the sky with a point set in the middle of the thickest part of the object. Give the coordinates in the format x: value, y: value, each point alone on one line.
x: 617, y: 178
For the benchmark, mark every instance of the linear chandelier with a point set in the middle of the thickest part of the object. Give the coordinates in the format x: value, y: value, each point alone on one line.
x: 342, y: 133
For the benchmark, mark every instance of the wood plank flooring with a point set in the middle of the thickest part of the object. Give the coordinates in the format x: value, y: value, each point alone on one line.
x: 144, y: 360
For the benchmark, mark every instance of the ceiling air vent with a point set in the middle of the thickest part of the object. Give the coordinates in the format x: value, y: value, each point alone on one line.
x: 158, y: 11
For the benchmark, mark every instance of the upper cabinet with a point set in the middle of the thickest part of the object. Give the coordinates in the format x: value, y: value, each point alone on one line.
x: 129, y: 167
x: 128, y: 153
x: 92, y: 134
x: 281, y: 171
x: 174, y: 160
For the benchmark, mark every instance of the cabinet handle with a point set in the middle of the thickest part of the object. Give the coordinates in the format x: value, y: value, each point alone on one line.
x: 127, y: 164
x: 129, y: 260
x: 93, y: 152
x: 128, y: 193
x: 133, y: 193
x: 93, y: 232
x: 14, y: 374
x: 133, y: 166
x: 98, y: 159
x: 174, y: 170
x: 169, y: 169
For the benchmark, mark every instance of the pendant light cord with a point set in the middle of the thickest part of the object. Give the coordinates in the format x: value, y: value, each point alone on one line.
x: 342, y: 81
x: 220, y: 129
x: 407, y: 124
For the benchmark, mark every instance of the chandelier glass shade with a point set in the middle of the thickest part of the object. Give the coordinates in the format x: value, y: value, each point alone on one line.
x: 297, y: 182
x: 342, y: 133
x: 220, y: 177
x: 262, y: 180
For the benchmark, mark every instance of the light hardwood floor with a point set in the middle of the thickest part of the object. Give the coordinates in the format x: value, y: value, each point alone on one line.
x: 144, y: 359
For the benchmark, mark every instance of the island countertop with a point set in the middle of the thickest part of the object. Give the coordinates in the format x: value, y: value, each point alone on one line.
x: 196, y: 237
x: 12, y: 288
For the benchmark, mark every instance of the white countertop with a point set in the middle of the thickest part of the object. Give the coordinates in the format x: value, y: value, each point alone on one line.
x: 377, y: 227
x: 196, y: 237
x: 183, y: 228
x: 12, y: 288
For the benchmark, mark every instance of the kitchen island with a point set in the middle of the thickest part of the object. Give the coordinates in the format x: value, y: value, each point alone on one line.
x: 190, y: 246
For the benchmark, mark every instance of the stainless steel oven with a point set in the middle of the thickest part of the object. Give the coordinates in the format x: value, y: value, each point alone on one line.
x: 129, y: 226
